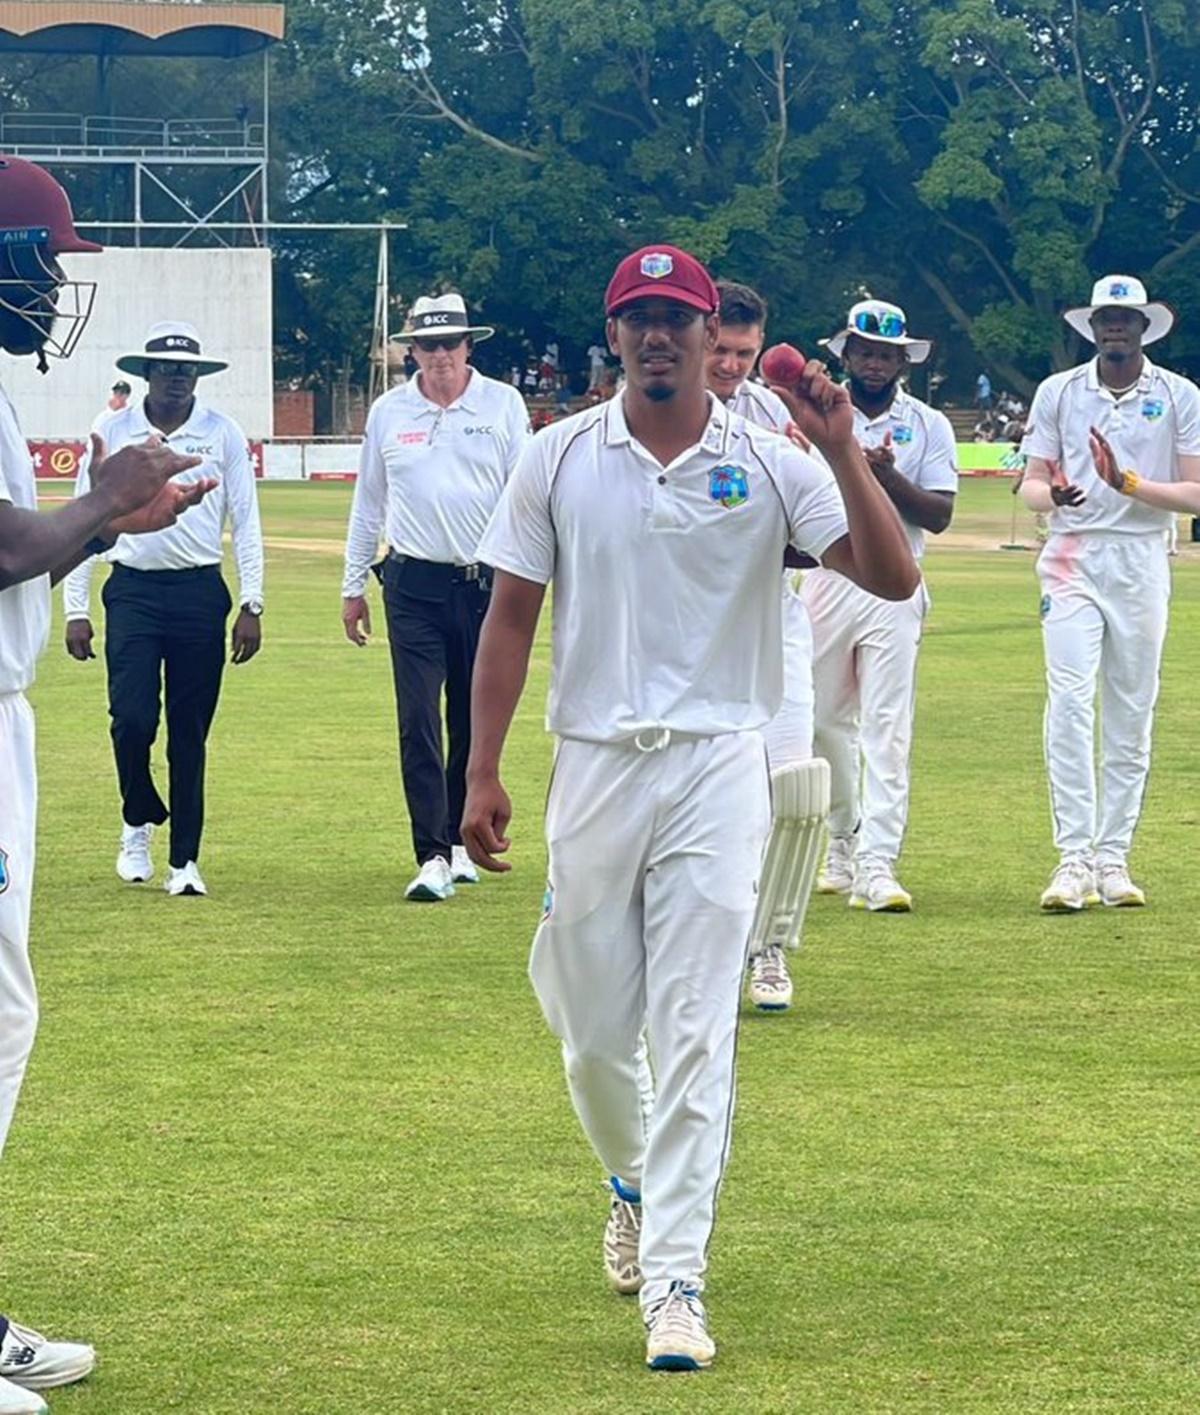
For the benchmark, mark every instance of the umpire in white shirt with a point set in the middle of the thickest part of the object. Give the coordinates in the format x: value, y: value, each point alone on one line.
x: 436, y: 456
x: 166, y: 604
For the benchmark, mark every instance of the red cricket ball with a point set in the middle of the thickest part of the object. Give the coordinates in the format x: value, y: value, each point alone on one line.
x: 783, y: 365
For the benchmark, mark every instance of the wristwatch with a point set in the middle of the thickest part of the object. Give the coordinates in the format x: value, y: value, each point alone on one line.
x: 253, y: 606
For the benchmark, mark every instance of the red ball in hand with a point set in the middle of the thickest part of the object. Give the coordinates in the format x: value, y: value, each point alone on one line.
x: 783, y: 365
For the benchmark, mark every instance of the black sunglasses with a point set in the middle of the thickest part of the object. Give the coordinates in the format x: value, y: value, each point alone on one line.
x: 169, y: 369
x: 444, y: 341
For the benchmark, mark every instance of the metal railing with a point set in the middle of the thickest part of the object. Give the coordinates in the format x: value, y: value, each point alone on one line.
x: 64, y: 132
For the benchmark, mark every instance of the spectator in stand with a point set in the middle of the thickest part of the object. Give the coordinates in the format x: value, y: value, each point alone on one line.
x: 562, y: 399
x: 983, y: 393
x: 530, y: 381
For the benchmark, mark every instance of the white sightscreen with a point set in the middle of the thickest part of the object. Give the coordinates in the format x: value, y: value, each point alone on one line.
x: 226, y: 294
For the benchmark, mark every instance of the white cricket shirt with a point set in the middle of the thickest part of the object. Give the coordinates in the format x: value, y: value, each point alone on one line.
x: 923, y: 445
x: 666, y: 579
x: 429, y: 477
x: 24, y: 608
x: 195, y: 539
x: 757, y: 404
x: 1150, y: 428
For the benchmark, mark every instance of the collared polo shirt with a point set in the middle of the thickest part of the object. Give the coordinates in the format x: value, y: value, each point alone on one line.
x: 24, y: 608
x: 429, y: 477
x: 666, y: 579
x: 195, y: 539
x: 757, y: 404
x: 1150, y: 428
x: 923, y: 445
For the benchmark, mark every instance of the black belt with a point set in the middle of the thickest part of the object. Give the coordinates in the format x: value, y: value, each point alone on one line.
x: 190, y: 572
x: 475, y: 571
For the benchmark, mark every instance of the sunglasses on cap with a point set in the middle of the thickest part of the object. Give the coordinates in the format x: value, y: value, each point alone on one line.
x: 441, y: 341
x: 886, y: 322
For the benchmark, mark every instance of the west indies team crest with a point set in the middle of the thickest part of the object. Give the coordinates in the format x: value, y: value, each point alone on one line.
x: 729, y: 485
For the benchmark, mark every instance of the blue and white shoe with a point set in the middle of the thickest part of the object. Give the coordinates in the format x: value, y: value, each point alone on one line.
x: 622, y: 1238
x: 29, y: 1361
x: 433, y: 883
x: 677, y: 1336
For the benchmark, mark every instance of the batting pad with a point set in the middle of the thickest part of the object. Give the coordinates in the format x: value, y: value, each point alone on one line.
x: 800, y: 798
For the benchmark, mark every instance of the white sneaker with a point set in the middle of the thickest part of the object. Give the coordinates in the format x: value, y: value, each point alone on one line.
x: 1072, y: 887
x: 185, y: 880
x: 15, y: 1401
x: 134, y: 864
x: 837, y: 873
x: 27, y: 1359
x: 433, y: 883
x: 1116, y: 889
x: 770, y: 982
x: 677, y: 1336
x: 622, y: 1237
x: 462, y: 867
x: 876, y: 888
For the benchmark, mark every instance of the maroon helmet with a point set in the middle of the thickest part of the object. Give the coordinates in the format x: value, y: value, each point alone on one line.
x: 32, y: 201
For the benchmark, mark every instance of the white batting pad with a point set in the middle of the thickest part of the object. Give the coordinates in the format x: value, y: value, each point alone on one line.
x: 800, y: 798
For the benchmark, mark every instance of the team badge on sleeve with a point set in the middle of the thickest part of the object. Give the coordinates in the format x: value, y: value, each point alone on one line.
x: 4, y: 876
x: 657, y: 264
x: 728, y: 485
x: 1152, y: 409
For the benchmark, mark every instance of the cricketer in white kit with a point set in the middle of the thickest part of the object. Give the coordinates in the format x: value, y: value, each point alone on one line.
x: 1113, y: 450
x: 41, y: 313
x: 662, y: 520
x: 800, y: 782
x: 865, y: 648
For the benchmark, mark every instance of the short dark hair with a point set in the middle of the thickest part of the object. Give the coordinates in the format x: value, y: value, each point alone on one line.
x: 740, y: 304
x: 121, y: 386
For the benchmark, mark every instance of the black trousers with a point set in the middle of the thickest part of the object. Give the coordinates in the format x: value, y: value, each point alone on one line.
x: 164, y: 628
x: 434, y: 617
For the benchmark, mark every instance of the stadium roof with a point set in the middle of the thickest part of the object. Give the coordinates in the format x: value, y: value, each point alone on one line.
x: 164, y: 28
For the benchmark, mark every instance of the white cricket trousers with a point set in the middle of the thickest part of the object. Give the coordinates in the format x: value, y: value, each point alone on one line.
x: 1105, y: 599
x: 654, y: 865
x: 789, y: 734
x: 865, y: 683
x: 18, y: 828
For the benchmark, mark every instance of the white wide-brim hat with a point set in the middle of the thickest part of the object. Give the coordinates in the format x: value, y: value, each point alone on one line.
x: 173, y: 342
x: 881, y: 323
x: 1122, y: 292
x: 442, y: 314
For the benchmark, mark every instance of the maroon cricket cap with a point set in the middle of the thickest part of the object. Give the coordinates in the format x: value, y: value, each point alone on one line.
x: 34, y: 210
x: 665, y: 273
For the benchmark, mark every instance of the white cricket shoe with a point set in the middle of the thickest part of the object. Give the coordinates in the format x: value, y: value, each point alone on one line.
x: 622, y: 1237
x: 462, y: 867
x: 134, y: 864
x: 1072, y: 887
x: 677, y: 1336
x: 1116, y: 889
x: 876, y: 888
x: 184, y: 880
x: 433, y: 883
x: 27, y: 1359
x: 837, y: 873
x: 15, y: 1401
x: 770, y: 982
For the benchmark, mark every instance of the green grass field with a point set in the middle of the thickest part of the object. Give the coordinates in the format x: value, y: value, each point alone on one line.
x: 303, y: 1149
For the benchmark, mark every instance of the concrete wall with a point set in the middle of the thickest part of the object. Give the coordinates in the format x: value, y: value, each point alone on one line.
x: 226, y: 294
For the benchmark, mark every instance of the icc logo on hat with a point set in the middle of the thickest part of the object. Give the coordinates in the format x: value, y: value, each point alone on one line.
x: 1119, y: 290
x: 657, y: 264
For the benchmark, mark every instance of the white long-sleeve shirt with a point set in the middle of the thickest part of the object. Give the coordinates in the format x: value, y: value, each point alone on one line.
x: 195, y: 539
x: 24, y: 608
x: 429, y: 477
